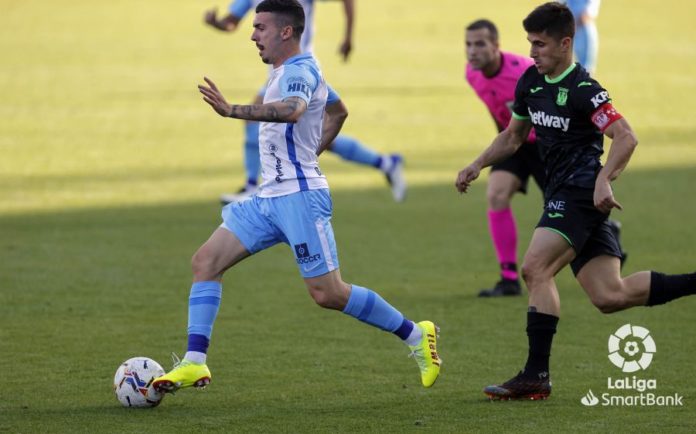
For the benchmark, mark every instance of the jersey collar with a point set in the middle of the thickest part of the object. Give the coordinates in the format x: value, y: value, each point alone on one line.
x: 560, y: 77
x: 296, y: 58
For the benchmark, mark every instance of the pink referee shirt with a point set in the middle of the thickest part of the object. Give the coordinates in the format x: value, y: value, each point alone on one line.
x: 498, y: 92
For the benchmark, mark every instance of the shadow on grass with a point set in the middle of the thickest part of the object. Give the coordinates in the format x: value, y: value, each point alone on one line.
x: 81, y: 291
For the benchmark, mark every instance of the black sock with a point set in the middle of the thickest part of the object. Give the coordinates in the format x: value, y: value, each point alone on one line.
x: 664, y: 288
x: 540, y: 330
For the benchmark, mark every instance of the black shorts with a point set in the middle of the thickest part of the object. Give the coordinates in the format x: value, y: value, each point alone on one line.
x: 570, y: 212
x: 523, y: 163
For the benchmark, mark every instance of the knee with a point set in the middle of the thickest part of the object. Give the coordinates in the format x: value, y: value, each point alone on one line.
x: 607, y: 295
x: 329, y: 296
x: 325, y: 300
x: 608, y: 299
x: 498, y: 198
x: 607, y: 304
x: 202, y: 266
x: 533, y: 273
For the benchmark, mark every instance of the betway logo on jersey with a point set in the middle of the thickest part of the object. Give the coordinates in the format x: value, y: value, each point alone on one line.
x: 542, y: 119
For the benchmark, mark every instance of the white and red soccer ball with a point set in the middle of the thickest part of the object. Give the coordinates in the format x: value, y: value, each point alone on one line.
x: 133, y: 382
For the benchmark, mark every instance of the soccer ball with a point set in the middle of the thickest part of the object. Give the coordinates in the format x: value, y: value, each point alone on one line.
x: 133, y: 382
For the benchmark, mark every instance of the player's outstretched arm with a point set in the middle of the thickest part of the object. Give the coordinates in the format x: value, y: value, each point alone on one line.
x: 347, y: 45
x: 504, y: 145
x: 287, y: 111
x: 335, y: 115
x: 228, y: 23
x: 623, y: 144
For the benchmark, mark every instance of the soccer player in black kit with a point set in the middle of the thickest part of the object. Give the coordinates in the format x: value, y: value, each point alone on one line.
x: 571, y: 113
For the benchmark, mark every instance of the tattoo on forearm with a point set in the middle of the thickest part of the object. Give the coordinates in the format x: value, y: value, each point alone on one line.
x: 266, y: 112
x: 272, y: 113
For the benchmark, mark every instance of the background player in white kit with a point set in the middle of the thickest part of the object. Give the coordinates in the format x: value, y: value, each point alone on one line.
x: 293, y: 205
x: 348, y: 148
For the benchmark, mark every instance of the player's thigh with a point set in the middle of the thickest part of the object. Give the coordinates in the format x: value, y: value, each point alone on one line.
x: 221, y: 251
x: 249, y: 222
x: 502, y: 184
x: 600, y: 278
x: 600, y: 275
x: 547, y: 254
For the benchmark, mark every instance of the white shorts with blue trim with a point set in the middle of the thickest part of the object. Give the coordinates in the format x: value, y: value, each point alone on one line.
x: 301, y: 220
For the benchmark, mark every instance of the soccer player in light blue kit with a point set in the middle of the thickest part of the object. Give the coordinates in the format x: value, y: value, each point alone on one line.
x: 292, y: 205
x: 346, y: 147
x: 586, y: 40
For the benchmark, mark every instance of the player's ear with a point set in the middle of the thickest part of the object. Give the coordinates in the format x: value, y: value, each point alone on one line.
x: 286, y: 32
x: 567, y: 44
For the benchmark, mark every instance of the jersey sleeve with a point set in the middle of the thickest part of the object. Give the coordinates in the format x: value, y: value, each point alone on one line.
x: 239, y: 8
x: 593, y: 101
x: 298, y: 82
x: 519, y: 106
x: 333, y: 97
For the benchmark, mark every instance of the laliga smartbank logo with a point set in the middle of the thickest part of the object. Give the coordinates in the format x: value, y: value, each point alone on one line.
x: 631, y: 349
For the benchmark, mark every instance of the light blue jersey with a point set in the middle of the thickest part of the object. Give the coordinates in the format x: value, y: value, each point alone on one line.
x: 289, y: 151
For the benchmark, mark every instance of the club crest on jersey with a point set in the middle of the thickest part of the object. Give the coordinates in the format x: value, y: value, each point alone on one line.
x: 562, y: 96
x: 298, y: 84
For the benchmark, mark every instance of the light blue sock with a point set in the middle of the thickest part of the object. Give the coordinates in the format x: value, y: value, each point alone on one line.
x: 367, y: 306
x: 252, y: 157
x: 204, y: 303
x: 352, y: 150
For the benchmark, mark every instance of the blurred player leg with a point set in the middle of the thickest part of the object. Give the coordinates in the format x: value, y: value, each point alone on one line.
x: 587, y: 46
x: 351, y: 149
x: 502, y: 185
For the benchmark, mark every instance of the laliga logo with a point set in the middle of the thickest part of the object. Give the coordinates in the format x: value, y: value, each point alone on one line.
x: 631, y: 348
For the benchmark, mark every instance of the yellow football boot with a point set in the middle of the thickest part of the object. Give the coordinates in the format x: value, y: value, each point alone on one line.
x: 426, y: 353
x: 185, y: 374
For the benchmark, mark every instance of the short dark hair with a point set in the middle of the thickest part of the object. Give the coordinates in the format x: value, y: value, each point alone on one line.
x: 553, y: 18
x: 485, y: 24
x: 290, y: 13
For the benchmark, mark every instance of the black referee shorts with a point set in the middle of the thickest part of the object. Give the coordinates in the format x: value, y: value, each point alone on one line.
x: 524, y: 163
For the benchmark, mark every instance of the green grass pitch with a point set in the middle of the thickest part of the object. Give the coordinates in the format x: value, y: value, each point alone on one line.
x: 110, y: 169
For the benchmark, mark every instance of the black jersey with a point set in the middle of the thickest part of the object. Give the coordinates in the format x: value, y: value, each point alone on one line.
x: 564, y: 114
